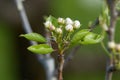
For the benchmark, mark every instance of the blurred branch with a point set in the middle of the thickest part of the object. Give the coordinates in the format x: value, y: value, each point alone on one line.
x: 46, y: 60
x: 25, y: 22
x: 111, y: 33
x: 71, y: 55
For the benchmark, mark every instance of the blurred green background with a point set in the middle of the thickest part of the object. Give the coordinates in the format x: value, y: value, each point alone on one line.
x: 16, y: 63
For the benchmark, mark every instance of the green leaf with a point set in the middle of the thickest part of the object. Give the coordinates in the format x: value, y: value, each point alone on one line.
x: 91, y: 38
x: 34, y: 37
x: 78, y: 36
x: 40, y: 49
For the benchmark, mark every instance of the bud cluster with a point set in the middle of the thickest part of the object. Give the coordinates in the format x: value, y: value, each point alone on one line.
x: 67, y: 24
x: 71, y: 25
x: 61, y: 29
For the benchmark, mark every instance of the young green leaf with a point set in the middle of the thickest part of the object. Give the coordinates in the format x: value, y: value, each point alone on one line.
x: 34, y: 37
x: 78, y: 36
x: 91, y: 38
x: 40, y: 49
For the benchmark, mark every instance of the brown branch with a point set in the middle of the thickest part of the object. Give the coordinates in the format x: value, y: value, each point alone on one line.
x: 113, y: 19
x: 60, y: 66
x: 111, y: 34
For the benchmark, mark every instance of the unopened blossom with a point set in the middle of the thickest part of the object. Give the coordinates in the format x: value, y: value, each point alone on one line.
x: 68, y: 21
x: 111, y: 45
x: 105, y: 27
x: 61, y: 20
x: 69, y: 27
x: 47, y: 24
x: 52, y: 27
x: 77, y: 24
x: 59, y: 30
x: 118, y: 47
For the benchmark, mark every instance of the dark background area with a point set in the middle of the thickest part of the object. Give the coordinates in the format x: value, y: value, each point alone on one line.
x: 16, y: 63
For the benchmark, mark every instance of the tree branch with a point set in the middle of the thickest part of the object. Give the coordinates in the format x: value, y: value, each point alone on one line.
x: 111, y: 34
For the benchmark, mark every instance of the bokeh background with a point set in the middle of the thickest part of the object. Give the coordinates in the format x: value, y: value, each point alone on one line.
x: 16, y: 63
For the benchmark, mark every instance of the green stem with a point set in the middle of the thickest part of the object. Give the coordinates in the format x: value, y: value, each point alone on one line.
x: 105, y: 49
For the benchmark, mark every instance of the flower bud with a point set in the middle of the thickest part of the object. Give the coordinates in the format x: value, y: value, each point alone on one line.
x: 118, y: 47
x: 52, y: 27
x: 111, y: 44
x: 68, y: 21
x: 76, y: 24
x: 59, y: 30
x: 105, y: 27
x: 69, y: 27
x: 47, y: 24
x: 61, y: 20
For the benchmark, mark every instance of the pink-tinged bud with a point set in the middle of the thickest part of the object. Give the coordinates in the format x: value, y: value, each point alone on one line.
x: 68, y: 21
x: 69, y: 27
x: 118, y: 47
x: 61, y: 20
x: 59, y: 30
x: 111, y: 45
x: 76, y: 24
x: 52, y: 27
x: 47, y: 24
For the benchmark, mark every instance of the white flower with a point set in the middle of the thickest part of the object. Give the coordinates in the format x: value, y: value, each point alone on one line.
x: 118, y: 47
x: 68, y: 21
x: 47, y: 24
x: 76, y: 24
x: 111, y: 44
x: 69, y: 27
x: 61, y: 20
x: 59, y: 30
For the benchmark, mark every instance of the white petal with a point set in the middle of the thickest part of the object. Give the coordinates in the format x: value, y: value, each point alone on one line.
x: 68, y: 21
x: 76, y: 24
x: 47, y: 24
x: 61, y: 20
x: 69, y: 27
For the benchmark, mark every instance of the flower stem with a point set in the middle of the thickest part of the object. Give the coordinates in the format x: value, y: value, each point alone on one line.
x: 60, y: 66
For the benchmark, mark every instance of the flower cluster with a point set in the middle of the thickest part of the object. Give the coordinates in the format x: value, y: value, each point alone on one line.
x: 61, y: 29
x: 67, y: 24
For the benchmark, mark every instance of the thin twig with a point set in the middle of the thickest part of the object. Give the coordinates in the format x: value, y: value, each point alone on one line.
x: 111, y: 35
